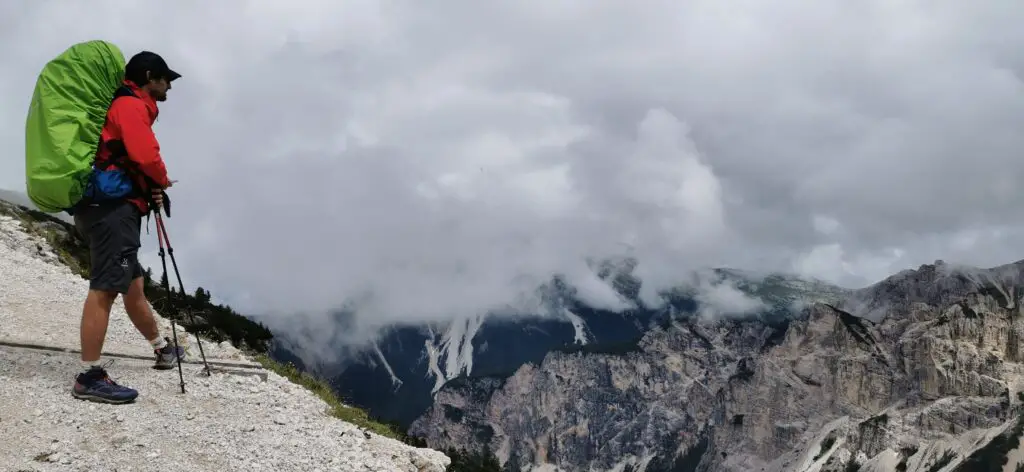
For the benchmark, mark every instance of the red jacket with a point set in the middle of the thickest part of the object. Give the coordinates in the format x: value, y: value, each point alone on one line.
x: 131, y: 121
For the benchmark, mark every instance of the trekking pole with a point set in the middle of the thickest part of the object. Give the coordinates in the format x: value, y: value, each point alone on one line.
x: 161, y: 229
x: 167, y: 287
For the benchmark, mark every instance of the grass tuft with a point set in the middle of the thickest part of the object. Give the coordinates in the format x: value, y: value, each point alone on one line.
x: 320, y: 388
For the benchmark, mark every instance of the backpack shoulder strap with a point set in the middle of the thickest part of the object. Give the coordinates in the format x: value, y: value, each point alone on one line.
x: 123, y: 91
x: 115, y: 146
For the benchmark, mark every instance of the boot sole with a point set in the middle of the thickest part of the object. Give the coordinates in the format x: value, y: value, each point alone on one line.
x: 96, y: 399
x: 166, y: 366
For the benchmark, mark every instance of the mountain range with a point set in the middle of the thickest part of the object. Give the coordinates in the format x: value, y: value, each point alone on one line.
x: 918, y: 372
x: 933, y: 384
x: 396, y: 376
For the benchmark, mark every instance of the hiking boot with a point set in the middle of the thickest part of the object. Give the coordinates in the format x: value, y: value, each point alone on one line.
x: 165, y: 358
x: 96, y: 386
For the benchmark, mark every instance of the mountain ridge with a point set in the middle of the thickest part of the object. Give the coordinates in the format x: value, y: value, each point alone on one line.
x: 918, y: 365
x: 395, y: 376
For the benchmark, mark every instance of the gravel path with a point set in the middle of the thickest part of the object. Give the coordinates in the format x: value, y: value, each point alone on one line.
x: 222, y: 423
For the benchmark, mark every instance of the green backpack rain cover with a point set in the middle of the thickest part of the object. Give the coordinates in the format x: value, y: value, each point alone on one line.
x: 68, y: 110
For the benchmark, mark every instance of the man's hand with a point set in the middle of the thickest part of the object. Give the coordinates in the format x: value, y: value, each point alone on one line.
x: 158, y: 195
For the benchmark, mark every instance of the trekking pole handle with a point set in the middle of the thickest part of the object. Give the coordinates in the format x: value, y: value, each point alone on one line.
x: 166, y: 203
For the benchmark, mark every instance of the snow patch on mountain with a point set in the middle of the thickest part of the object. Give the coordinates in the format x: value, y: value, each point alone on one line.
x: 397, y: 382
x: 579, y: 326
x: 455, y: 350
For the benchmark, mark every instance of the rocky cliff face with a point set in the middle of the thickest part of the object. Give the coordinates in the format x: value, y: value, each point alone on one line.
x: 934, y: 383
x: 396, y: 376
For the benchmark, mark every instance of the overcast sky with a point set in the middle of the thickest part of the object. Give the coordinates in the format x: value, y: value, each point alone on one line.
x: 444, y: 156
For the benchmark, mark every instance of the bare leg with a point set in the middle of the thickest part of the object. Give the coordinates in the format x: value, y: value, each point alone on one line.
x: 139, y: 312
x: 137, y: 306
x: 94, y: 384
x: 95, y: 315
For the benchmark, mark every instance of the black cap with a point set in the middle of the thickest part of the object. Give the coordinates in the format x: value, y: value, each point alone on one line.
x: 138, y: 65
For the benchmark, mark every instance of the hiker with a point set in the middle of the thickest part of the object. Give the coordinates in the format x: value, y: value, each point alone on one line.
x: 112, y: 228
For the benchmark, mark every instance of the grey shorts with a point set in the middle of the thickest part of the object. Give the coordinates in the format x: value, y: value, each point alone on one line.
x: 113, y: 233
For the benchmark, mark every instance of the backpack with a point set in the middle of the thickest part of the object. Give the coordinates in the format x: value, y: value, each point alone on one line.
x: 62, y: 132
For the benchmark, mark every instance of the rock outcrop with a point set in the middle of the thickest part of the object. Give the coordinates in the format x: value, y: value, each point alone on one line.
x: 934, y: 383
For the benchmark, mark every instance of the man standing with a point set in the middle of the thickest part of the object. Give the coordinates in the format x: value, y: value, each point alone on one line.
x: 112, y: 228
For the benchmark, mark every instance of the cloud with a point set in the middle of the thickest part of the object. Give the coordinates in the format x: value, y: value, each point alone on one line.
x: 430, y: 160
x: 722, y: 298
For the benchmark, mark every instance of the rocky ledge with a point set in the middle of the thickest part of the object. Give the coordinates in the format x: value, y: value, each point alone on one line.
x: 249, y: 421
